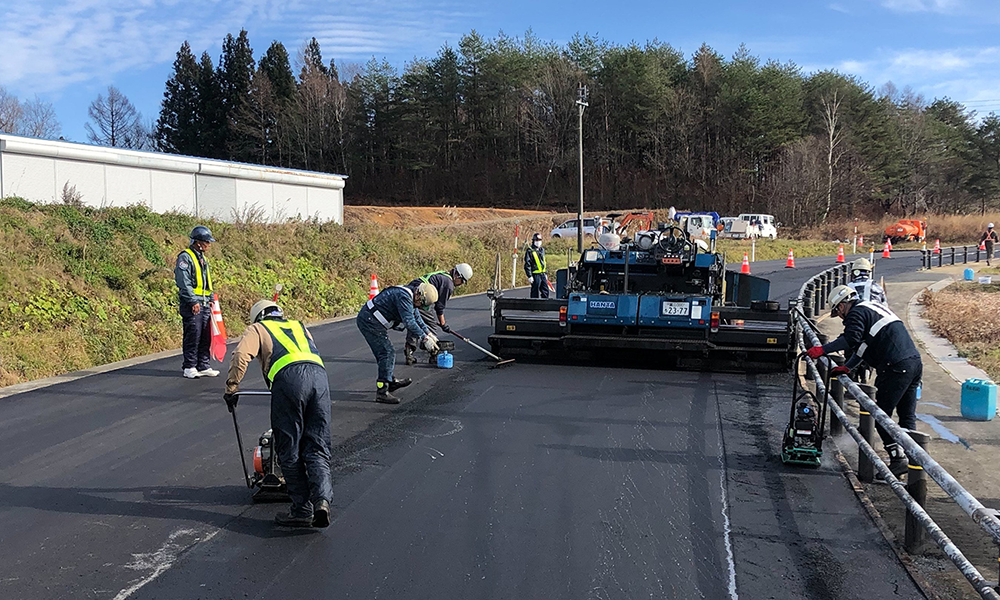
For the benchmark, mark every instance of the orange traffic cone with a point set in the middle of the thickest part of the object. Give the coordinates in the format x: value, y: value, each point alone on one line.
x: 790, y: 263
x: 840, y: 255
x: 889, y: 241
x: 982, y: 245
x: 745, y: 269
x: 861, y: 241
x: 373, y: 288
x: 937, y: 246
x: 218, y: 331
x: 885, y: 252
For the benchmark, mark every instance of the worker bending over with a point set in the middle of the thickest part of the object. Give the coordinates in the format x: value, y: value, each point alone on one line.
x: 862, y: 283
x: 534, y: 267
x: 394, y: 308
x: 875, y: 335
x: 300, y: 408
x: 445, y: 283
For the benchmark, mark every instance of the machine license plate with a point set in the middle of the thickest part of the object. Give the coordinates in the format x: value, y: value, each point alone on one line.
x: 676, y: 309
x: 671, y: 260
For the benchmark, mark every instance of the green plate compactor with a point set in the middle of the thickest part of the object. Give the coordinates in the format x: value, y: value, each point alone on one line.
x: 803, y: 440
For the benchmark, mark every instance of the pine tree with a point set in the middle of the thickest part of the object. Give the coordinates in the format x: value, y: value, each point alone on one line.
x: 236, y: 69
x: 275, y: 66
x: 178, y: 129
x: 211, y: 114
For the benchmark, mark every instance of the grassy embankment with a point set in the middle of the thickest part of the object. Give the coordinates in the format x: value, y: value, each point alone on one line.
x: 968, y: 314
x: 83, y: 287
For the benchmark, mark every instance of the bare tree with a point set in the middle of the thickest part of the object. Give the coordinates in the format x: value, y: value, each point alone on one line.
x: 834, y: 135
x: 39, y: 120
x: 11, y: 112
x: 116, y: 122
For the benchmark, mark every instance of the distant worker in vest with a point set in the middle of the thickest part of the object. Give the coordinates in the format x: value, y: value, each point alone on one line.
x: 875, y: 335
x: 861, y: 282
x: 300, y: 408
x: 534, y: 268
x: 989, y: 239
x: 395, y: 308
x: 194, y: 293
x: 445, y: 283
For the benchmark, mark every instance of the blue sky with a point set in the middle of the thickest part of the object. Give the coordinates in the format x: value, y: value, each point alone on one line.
x: 66, y: 52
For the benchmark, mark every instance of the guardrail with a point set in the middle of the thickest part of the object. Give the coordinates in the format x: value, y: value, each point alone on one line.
x: 811, y: 302
x: 955, y: 255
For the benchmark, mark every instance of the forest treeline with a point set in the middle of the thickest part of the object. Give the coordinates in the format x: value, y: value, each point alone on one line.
x: 494, y: 122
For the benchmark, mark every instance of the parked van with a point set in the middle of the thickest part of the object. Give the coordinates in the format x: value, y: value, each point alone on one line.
x: 760, y: 225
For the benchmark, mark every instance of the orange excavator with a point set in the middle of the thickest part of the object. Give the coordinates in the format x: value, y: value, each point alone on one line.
x: 625, y: 223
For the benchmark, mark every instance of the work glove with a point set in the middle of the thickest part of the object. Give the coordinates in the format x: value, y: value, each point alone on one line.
x: 531, y: 280
x: 430, y: 343
x: 837, y: 371
x: 231, y: 400
x: 446, y: 329
x: 815, y: 352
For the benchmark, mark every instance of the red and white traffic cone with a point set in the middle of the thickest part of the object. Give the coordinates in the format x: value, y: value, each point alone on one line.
x: 861, y: 241
x: 840, y: 255
x: 745, y: 269
x: 888, y: 247
x: 218, y: 347
x: 373, y: 288
x: 937, y: 246
x: 982, y: 245
x: 790, y: 263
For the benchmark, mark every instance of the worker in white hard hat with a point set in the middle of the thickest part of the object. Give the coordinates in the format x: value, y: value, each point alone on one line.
x: 534, y: 267
x: 989, y: 239
x: 445, y: 283
x: 875, y: 335
x: 300, y: 408
x: 395, y: 308
x: 862, y: 283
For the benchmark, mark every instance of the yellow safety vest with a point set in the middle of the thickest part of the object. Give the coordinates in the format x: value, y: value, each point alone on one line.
x: 427, y: 278
x: 539, y: 264
x: 204, y: 287
x: 291, y: 346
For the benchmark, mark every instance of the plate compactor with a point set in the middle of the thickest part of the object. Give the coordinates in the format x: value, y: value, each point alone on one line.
x: 803, y: 440
x: 267, y: 477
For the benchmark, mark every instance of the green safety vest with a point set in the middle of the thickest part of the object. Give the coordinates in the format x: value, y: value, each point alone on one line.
x: 290, y: 346
x: 204, y: 287
x: 539, y: 264
x: 426, y: 278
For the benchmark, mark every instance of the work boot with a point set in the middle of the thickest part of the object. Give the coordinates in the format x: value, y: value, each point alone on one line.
x: 321, y: 514
x: 408, y: 353
x: 382, y: 393
x: 289, y: 520
x: 397, y: 384
x: 898, y: 463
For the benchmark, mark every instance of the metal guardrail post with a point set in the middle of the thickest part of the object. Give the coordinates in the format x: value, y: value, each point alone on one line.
x: 817, y: 297
x: 940, y: 259
x: 866, y: 470
x: 965, y: 255
x: 953, y: 256
x: 916, y: 486
x: 837, y: 396
x: 807, y: 299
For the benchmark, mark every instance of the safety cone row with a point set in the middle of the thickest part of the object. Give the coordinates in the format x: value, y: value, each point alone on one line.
x: 937, y: 246
x: 745, y: 269
x: 790, y: 263
x: 218, y: 347
x: 888, y: 248
x: 373, y: 288
x: 840, y: 255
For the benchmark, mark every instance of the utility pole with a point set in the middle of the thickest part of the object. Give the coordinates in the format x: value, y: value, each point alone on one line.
x: 581, y: 103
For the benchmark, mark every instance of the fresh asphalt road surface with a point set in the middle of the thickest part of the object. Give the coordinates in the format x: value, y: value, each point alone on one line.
x: 533, y: 481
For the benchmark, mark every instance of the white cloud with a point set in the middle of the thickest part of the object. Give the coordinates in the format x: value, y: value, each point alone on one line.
x: 52, y: 45
x: 934, y: 6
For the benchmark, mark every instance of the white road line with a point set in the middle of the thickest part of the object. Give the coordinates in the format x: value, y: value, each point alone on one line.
x: 728, y: 533
x: 164, y: 558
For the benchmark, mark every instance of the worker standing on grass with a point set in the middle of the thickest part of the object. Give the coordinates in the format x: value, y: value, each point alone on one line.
x: 988, y: 239
x: 875, y: 335
x: 394, y: 308
x: 861, y: 282
x: 300, y: 408
x: 445, y: 283
x: 194, y: 294
x: 534, y: 267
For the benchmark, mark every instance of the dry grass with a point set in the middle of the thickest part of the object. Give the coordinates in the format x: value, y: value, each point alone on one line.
x: 968, y: 315
x: 950, y: 229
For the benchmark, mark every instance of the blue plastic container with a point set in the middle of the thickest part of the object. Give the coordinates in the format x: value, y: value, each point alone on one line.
x: 447, y: 361
x: 979, y: 399
x: 969, y: 275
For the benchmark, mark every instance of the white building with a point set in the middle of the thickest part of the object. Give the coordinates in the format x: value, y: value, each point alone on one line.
x: 39, y: 171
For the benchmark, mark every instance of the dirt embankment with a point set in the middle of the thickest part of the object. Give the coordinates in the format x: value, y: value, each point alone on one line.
x: 968, y: 315
x: 400, y: 217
